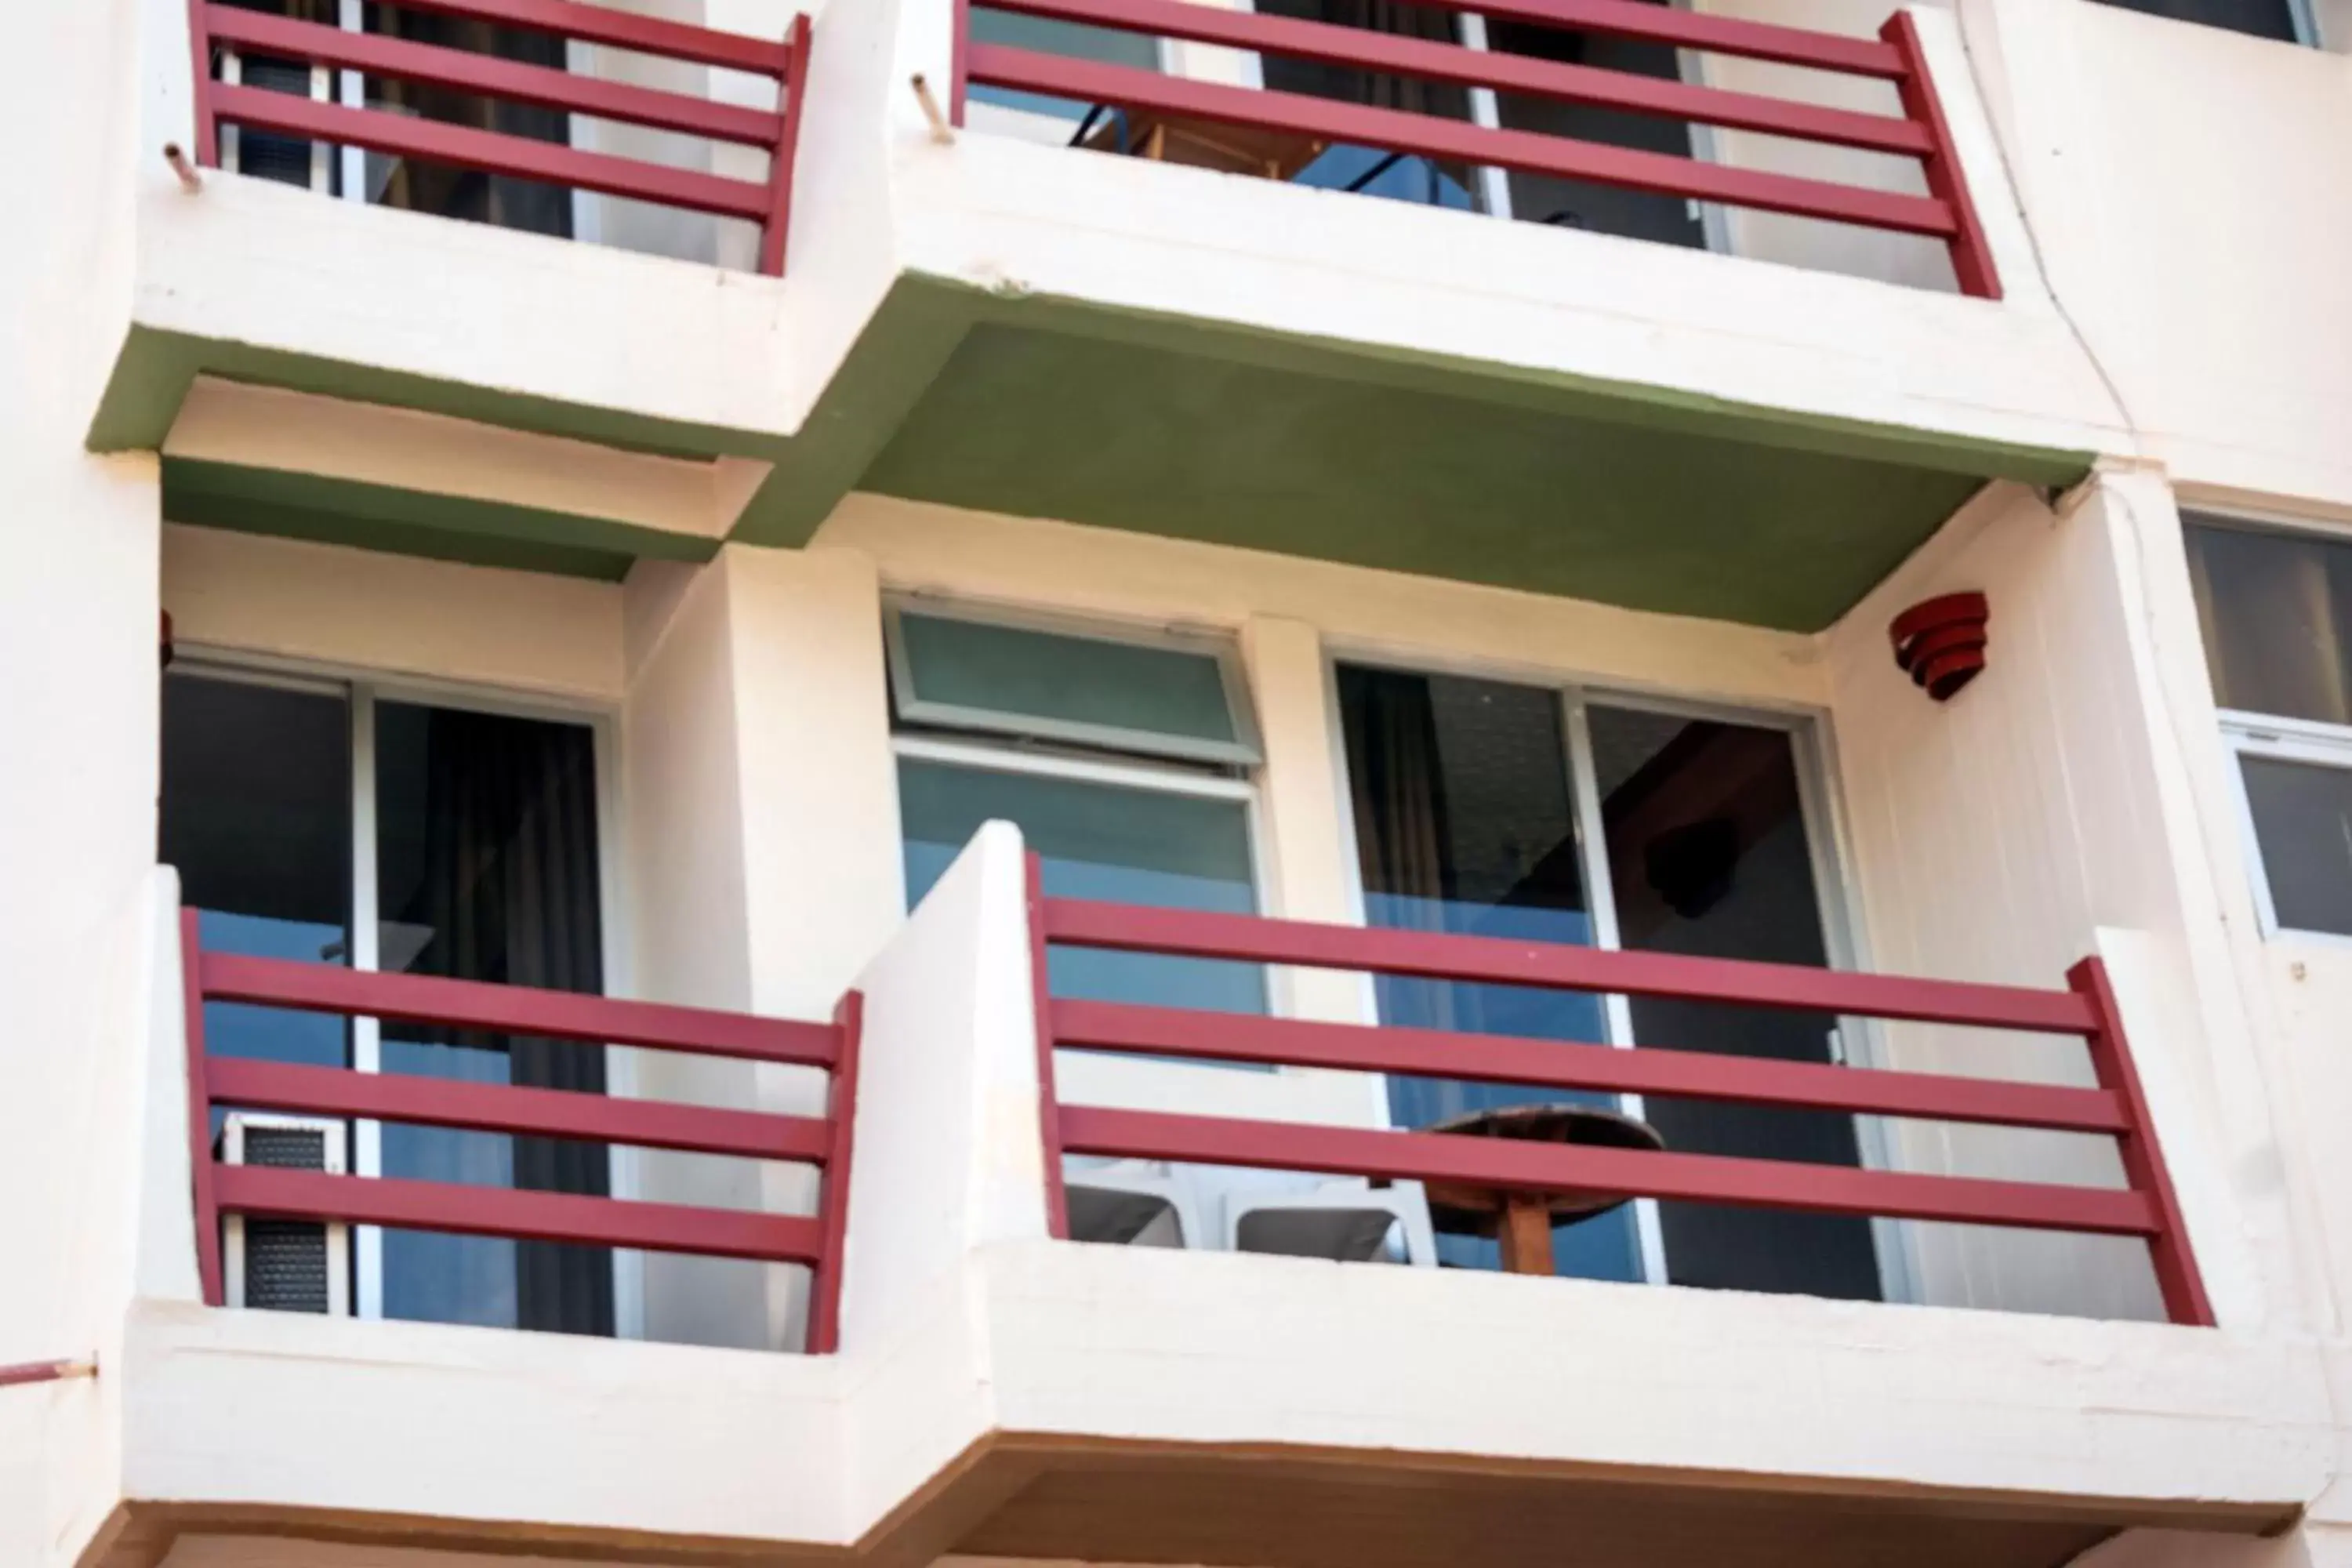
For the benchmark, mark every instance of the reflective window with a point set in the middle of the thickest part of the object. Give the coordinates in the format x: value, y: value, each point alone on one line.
x: 1155, y: 698
x: 484, y: 861
x: 1471, y: 819
x: 2276, y: 611
x: 257, y: 817
x: 1042, y: 729
x: 2289, y: 21
x: 1109, y: 842
x: 2302, y: 814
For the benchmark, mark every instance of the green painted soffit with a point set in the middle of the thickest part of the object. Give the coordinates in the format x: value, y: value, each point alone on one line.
x: 1040, y: 406
x: 411, y: 522
x: 1633, y: 496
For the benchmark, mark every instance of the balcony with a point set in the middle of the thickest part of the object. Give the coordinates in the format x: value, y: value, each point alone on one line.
x: 252, y: 1190
x: 994, y: 1388
x: 298, y: 98
x: 1288, y: 134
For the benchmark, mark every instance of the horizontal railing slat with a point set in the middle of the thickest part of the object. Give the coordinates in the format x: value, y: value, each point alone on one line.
x: 1504, y: 1165
x: 1370, y: 50
x: 382, y: 55
x: 467, y: 147
x: 500, y: 1107
x: 516, y: 1213
x: 604, y: 25
x: 1655, y: 24
x: 1559, y: 966
x: 1456, y: 141
x: 1495, y: 1059
x: 512, y: 1010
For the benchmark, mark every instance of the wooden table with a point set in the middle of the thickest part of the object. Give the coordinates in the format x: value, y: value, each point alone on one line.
x: 1522, y: 1220
x: 1205, y: 144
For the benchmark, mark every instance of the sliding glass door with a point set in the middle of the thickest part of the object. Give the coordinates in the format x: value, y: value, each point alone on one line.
x: 319, y: 821
x: 1492, y: 809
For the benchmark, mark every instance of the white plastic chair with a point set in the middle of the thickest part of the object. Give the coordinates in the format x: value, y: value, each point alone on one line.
x: 1347, y: 1220
x: 1132, y: 1203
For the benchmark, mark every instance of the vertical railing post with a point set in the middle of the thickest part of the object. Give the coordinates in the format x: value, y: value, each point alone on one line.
x: 200, y: 1113
x: 200, y: 45
x: 841, y: 1103
x: 2177, y: 1278
x: 778, y: 228
x: 1972, y: 261
x: 1049, y: 1104
x: 959, y: 58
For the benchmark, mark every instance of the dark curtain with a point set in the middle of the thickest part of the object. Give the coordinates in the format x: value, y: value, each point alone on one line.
x: 1399, y: 796
x: 1380, y: 90
x: 510, y: 893
x: 496, y: 199
x: 2263, y: 19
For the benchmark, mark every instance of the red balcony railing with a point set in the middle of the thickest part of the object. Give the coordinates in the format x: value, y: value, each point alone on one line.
x: 1921, y: 132
x: 520, y: 1214
x: 2117, y: 1108
x: 219, y: 28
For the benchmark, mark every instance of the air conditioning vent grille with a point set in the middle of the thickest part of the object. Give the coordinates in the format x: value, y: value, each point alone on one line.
x: 287, y: 1265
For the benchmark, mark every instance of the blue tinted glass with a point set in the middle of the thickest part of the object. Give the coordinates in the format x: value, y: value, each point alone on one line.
x: 273, y: 1034
x: 431, y: 1277
x: 1467, y: 825
x: 1051, y: 35
x: 1018, y: 675
x: 486, y: 870
x: 256, y: 815
x: 1105, y: 842
x: 1400, y: 177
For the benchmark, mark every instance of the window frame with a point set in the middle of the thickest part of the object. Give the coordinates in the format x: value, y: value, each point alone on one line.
x: 2299, y: 740
x: 1246, y: 749
x: 360, y: 689
x: 1857, y: 1042
x: 1052, y: 749
x: 2245, y: 732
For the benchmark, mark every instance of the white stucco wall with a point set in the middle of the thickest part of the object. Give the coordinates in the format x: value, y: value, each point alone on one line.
x: 1996, y: 837
x: 2202, y: 270
x: 77, y: 617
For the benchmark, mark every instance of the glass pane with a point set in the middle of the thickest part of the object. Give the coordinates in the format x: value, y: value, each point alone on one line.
x: 2277, y: 615
x: 2263, y: 19
x: 1107, y: 842
x: 487, y: 869
x: 1011, y: 679
x: 1051, y: 35
x: 1709, y: 857
x: 446, y: 189
x: 2302, y: 819
x: 1575, y: 204
x: 1465, y: 822
x: 257, y: 815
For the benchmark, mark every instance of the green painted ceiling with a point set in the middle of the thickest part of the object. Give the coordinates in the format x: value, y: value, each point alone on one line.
x: 1002, y: 401
x: 1051, y: 423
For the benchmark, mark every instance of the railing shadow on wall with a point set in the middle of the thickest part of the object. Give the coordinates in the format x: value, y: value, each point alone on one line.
x: 222, y: 33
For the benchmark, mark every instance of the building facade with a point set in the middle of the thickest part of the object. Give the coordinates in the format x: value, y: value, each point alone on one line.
x: 1177, y: 782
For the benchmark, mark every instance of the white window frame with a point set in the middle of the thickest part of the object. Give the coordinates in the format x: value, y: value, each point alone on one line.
x: 2245, y: 732
x: 360, y: 689
x: 1854, y: 1041
x: 942, y: 733
x: 1244, y: 750
x: 2300, y: 741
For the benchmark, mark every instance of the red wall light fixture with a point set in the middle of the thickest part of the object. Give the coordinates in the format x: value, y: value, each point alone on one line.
x: 1941, y: 643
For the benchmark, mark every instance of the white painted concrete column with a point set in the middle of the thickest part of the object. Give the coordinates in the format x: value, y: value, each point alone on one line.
x: 1307, y: 854
x: 688, y: 931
